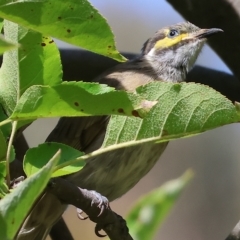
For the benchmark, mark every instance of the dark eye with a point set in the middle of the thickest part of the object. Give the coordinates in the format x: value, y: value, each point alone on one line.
x: 173, y: 33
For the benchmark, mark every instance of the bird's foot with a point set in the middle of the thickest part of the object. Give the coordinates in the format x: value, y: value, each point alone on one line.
x: 100, y: 201
x: 80, y: 214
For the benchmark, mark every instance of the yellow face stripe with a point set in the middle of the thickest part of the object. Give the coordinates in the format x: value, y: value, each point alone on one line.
x: 168, y: 42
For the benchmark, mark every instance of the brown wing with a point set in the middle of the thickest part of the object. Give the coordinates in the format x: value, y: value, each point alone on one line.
x: 83, y: 133
x: 87, y: 133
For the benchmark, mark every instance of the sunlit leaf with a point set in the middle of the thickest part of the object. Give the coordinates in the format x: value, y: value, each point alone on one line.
x: 37, y: 61
x: 75, y: 22
x: 15, y: 206
x: 37, y: 157
x: 182, y: 110
x: 74, y: 99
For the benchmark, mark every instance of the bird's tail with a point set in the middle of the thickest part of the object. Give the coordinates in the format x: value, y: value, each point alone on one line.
x: 45, y: 213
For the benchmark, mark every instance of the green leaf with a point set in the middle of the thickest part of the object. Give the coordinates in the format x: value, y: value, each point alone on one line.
x: 182, y: 110
x: 37, y: 61
x: 2, y: 169
x: 1, y: 24
x: 6, y: 45
x: 3, y: 186
x: 75, y: 22
x: 74, y: 99
x: 6, y: 129
x: 16, y: 205
x: 3, y: 147
x: 149, y: 212
x: 36, y: 158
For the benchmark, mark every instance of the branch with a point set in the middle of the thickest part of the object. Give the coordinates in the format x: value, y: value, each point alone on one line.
x: 214, y: 13
x: 84, y: 65
x: 92, y: 205
x: 224, y: 83
x: 60, y: 231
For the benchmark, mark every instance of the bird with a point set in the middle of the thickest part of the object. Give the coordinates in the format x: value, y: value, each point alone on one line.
x: 167, y: 56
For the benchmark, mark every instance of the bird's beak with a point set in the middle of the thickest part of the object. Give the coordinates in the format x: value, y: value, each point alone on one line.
x: 202, y: 33
x: 206, y: 33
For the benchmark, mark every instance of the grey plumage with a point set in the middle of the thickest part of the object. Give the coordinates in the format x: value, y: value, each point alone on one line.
x: 168, y: 60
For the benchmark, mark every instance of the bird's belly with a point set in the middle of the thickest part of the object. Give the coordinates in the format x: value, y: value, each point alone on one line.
x: 114, y: 173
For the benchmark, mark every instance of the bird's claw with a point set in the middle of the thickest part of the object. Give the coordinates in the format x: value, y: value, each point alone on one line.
x: 101, y: 201
x: 97, y: 199
x: 97, y: 229
x: 79, y: 214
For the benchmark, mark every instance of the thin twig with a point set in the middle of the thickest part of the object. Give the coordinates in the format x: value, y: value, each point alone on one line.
x: 60, y: 231
x: 6, y: 121
x: 8, y: 155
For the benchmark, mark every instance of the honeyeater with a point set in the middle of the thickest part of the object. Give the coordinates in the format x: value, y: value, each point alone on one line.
x: 167, y: 56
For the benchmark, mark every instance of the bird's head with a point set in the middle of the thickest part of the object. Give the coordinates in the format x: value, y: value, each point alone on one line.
x: 176, y: 47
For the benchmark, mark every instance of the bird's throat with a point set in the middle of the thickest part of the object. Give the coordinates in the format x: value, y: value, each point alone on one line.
x: 166, y: 70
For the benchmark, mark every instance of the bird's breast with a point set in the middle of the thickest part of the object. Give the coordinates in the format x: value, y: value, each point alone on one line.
x: 114, y: 173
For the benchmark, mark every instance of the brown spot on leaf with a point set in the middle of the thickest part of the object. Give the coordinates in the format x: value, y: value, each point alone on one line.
x: 68, y: 30
x: 51, y: 42
x: 76, y: 104
x: 135, y: 113
x: 120, y: 110
x: 59, y: 18
x: 109, y: 46
x: 82, y: 110
x: 43, y: 44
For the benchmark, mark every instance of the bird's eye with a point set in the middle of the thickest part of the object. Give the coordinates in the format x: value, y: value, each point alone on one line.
x: 173, y: 33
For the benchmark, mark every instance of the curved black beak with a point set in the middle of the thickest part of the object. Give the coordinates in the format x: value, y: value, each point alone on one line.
x: 206, y: 33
